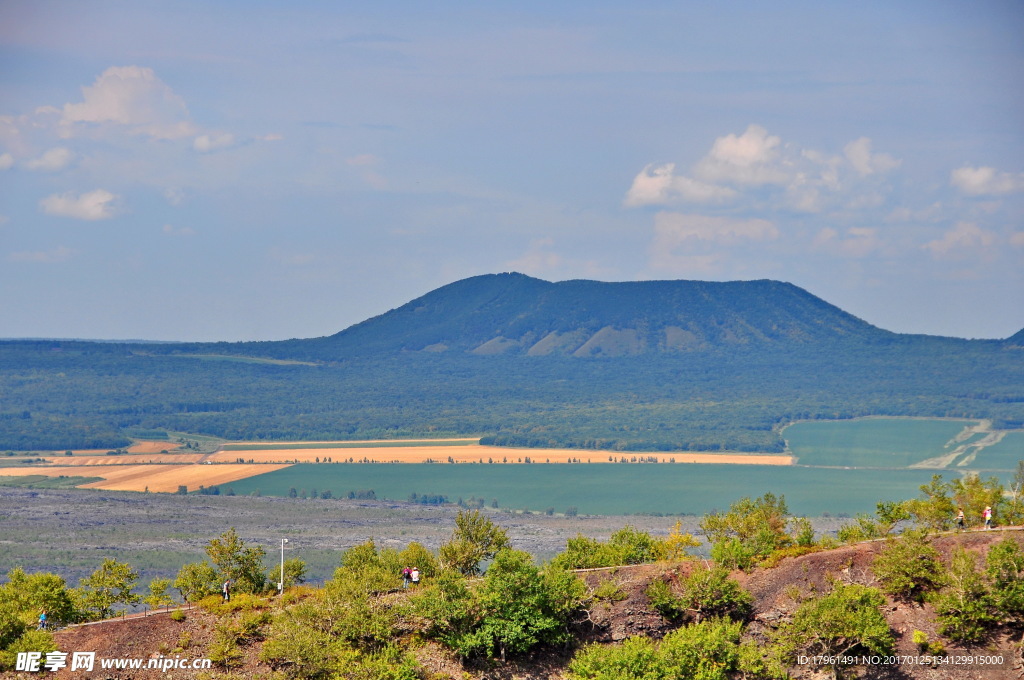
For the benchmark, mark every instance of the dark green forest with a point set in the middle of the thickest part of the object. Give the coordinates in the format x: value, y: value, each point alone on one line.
x: 58, y: 395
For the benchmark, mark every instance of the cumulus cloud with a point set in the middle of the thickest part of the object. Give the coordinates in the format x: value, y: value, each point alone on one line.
x: 55, y: 159
x: 59, y: 254
x: 659, y: 185
x: 986, y: 181
x: 6, y: 161
x: 134, y: 97
x: 762, y: 168
x: 93, y: 205
x: 750, y: 158
x: 960, y: 240
x: 858, y: 153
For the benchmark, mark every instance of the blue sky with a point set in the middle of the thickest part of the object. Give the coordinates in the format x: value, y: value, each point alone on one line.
x: 267, y: 170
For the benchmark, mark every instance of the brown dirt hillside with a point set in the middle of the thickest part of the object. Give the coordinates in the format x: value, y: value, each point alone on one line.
x: 777, y: 592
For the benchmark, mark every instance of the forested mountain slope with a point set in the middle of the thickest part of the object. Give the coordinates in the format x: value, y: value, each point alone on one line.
x: 661, y: 365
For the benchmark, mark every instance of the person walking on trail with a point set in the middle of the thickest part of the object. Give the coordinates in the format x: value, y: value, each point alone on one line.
x: 988, y: 516
x: 42, y: 620
x: 960, y: 519
x: 406, y: 576
x: 415, y: 576
x: 226, y: 590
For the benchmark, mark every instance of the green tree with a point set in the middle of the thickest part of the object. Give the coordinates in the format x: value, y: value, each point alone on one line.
x: 974, y: 494
x: 475, y: 539
x: 417, y: 555
x: 935, y: 509
x: 196, y: 580
x: 108, y: 586
x: 158, y: 596
x: 519, y: 606
x: 33, y: 593
x: 750, y: 530
x: 241, y: 563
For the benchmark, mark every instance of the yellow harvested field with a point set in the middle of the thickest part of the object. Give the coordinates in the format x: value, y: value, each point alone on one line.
x: 156, y: 478
x: 128, y: 459
x: 477, y: 453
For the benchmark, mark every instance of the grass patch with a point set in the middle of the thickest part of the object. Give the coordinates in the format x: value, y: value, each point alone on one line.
x: 46, y: 482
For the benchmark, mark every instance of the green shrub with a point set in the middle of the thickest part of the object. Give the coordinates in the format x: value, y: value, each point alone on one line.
x: 908, y: 567
x: 847, y: 620
x: 709, y: 650
x: 1005, y: 570
x: 706, y: 593
x: 964, y: 606
x: 178, y: 615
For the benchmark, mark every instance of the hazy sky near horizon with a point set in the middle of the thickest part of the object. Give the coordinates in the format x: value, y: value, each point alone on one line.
x: 263, y: 170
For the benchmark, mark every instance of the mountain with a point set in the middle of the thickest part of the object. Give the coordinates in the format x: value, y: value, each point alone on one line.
x: 1017, y: 339
x: 654, y: 365
x: 514, y: 314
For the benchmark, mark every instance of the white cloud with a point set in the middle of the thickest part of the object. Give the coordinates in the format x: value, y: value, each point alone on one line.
x: 1017, y: 239
x: 986, y: 181
x: 59, y: 254
x: 92, y: 205
x: 858, y: 152
x: 963, y: 237
x: 6, y: 161
x: 659, y: 185
x: 767, y: 172
x: 750, y: 158
x: 857, y: 242
x: 213, y: 142
x: 55, y: 159
x: 134, y: 97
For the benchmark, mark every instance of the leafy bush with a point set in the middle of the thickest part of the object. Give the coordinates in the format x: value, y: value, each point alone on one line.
x: 964, y: 606
x: 709, y: 650
x: 516, y: 607
x: 628, y: 545
x: 474, y: 539
x: 847, y: 620
x: 908, y: 567
x: 706, y: 593
x: 1005, y: 571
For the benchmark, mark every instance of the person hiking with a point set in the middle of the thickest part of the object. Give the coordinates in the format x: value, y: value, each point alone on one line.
x: 226, y: 590
x: 42, y: 620
x: 988, y: 516
x: 406, y: 576
x: 960, y: 519
x: 415, y: 576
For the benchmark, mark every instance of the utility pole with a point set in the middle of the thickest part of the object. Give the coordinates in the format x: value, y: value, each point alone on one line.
x: 280, y: 586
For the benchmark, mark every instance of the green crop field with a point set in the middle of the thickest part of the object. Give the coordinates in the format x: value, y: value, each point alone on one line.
x: 631, y: 488
x: 873, y: 442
